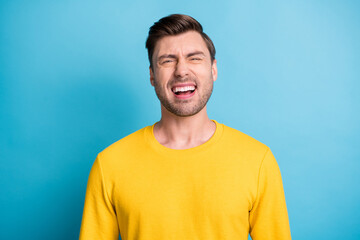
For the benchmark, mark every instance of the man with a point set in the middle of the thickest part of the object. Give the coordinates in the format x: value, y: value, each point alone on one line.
x: 185, y: 177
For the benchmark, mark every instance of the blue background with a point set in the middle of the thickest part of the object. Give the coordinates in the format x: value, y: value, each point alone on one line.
x: 74, y: 79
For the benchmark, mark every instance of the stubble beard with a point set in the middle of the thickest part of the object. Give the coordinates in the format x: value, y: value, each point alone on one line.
x: 184, y: 107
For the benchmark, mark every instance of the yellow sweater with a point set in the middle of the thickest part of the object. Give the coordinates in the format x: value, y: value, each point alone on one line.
x: 226, y: 188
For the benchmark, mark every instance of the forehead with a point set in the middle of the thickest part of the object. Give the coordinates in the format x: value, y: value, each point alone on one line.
x: 182, y: 43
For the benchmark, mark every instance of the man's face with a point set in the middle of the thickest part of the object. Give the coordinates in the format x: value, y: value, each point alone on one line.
x: 182, y: 73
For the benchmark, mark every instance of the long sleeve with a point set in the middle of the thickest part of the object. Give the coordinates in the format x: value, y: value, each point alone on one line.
x: 99, y: 218
x: 269, y: 217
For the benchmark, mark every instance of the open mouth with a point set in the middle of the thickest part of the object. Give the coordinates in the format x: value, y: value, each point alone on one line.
x: 183, y: 90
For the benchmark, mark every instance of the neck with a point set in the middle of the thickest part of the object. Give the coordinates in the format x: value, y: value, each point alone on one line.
x: 183, y: 132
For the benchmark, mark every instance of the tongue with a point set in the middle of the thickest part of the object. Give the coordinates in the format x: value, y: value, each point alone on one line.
x: 183, y: 93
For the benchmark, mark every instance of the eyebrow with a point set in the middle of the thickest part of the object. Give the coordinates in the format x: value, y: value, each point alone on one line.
x: 166, y: 56
x: 174, y: 56
x: 195, y: 53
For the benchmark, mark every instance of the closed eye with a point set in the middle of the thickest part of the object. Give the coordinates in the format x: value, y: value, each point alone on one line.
x: 195, y: 59
x: 196, y: 56
x: 167, y: 61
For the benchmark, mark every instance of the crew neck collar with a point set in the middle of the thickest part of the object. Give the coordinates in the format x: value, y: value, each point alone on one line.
x: 175, y: 153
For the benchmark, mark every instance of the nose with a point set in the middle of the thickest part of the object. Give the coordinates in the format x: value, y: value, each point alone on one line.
x: 181, y: 69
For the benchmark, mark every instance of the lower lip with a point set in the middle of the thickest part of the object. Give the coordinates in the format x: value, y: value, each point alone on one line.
x: 185, y: 96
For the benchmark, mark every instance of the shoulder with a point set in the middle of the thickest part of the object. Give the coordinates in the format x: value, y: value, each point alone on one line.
x: 242, y: 146
x: 234, y: 136
x: 123, y: 147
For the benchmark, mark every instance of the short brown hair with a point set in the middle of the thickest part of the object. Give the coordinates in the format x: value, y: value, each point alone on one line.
x: 173, y: 25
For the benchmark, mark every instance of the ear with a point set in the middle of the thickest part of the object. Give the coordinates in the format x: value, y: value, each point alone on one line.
x: 214, y: 70
x: 151, y: 76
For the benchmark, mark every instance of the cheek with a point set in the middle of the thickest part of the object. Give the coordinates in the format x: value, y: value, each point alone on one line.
x: 205, y: 75
x: 163, y: 76
x: 203, y: 70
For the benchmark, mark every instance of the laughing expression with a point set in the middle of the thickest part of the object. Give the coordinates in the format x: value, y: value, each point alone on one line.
x: 182, y: 73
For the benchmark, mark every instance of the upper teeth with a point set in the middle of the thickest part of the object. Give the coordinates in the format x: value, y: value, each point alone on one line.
x: 184, y: 89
